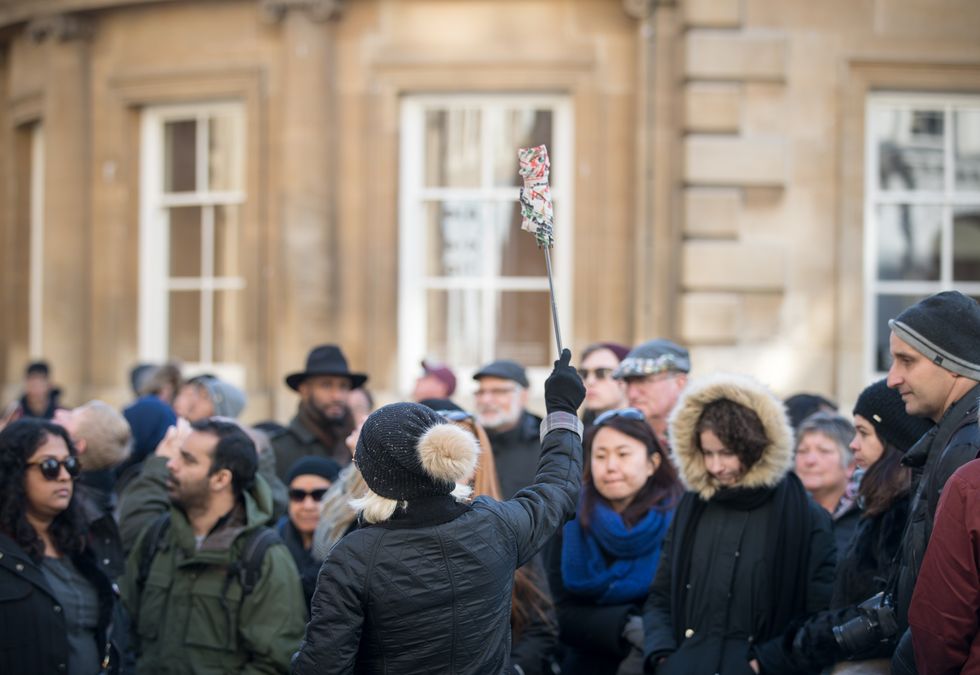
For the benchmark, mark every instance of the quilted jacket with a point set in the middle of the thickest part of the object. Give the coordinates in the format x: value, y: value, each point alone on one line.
x: 429, y: 590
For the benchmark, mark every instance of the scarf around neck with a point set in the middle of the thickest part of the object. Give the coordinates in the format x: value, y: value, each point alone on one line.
x: 610, y: 562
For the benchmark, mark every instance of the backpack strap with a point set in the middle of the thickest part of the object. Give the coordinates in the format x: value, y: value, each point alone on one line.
x: 253, y: 553
x: 148, y: 547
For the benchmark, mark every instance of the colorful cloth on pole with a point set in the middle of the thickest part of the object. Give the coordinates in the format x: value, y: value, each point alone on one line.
x: 536, y: 210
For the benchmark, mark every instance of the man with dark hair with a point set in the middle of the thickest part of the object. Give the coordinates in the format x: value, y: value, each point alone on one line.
x: 197, y: 599
x: 323, y: 420
x: 40, y: 398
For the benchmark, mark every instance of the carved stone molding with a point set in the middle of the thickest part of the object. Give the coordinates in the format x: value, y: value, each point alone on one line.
x: 274, y: 11
x: 641, y: 9
x: 60, y: 27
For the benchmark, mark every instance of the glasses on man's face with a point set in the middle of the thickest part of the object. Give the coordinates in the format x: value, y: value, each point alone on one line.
x: 51, y: 467
x: 498, y: 392
x: 455, y: 415
x: 627, y: 413
x: 297, y: 495
x: 600, y: 373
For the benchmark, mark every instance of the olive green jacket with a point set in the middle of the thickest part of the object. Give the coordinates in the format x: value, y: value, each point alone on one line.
x: 184, y: 619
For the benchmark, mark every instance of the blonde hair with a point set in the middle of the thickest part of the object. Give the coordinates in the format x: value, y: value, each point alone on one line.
x: 108, y: 438
x: 374, y: 508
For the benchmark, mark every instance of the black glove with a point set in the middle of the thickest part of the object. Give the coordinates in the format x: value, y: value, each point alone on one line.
x: 564, y: 390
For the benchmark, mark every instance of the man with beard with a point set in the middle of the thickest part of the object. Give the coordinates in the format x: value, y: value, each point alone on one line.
x: 208, y: 587
x: 323, y: 420
x: 501, y: 398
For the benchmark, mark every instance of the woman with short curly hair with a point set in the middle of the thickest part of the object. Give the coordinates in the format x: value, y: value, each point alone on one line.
x: 55, y: 603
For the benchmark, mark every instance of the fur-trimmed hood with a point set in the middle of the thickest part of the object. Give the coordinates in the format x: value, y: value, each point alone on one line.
x: 777, y: 458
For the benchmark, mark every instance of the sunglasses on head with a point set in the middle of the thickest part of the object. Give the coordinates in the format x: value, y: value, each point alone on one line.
x: 628, y: 413
x: 297, y: 495
x: 600, y: 373
x: 455, y: 415
x: 51, y: 468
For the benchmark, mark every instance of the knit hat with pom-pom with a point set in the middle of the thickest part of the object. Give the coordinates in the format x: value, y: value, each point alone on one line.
x: 406, y: 451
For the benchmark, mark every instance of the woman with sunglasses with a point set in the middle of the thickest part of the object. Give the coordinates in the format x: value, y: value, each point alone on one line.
x: 55, y: 602
x: 601, y: 567
x: 749, y: 552
x: 308, y: 479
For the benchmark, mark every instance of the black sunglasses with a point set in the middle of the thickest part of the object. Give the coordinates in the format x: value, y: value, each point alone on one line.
x: 297, y: 495
x: 600, y: 373
x: 628, y: 413
x: 455, y: 415
x: 51, y: 468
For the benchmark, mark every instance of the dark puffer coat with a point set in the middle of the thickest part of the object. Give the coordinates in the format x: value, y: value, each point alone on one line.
x: 718, y: 613
x: 429, y: 590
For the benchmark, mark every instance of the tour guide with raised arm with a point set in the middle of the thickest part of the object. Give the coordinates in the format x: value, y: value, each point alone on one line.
x: 425, y: 586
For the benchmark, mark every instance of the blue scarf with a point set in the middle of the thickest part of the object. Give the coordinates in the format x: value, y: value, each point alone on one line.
x: 611, y: 563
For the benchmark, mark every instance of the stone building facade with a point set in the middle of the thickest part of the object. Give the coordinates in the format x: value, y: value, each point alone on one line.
x: 229, y: 182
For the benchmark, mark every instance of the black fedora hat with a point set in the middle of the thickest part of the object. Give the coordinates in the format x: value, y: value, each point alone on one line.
x: 326, y: 360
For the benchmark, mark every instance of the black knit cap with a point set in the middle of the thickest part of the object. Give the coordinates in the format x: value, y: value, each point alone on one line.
x: 388, y: 452
x: 313, y: 465
x: 945, y: 328
x: 884, y: 408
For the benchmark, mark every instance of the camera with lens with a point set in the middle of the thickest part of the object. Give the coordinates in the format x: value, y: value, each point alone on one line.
x: 875, y: 624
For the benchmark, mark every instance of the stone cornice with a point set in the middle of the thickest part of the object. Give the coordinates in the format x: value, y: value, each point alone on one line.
x: 60, y: 27
x: 274, y: 11
x: 641, y: 9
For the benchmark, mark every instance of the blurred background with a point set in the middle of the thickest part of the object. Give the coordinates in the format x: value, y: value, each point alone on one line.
x: 227, y: 183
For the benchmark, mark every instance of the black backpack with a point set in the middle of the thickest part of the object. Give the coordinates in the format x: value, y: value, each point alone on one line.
x: 247, y: 569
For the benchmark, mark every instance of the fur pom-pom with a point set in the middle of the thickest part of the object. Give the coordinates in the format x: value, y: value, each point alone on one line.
x: 448, y: 452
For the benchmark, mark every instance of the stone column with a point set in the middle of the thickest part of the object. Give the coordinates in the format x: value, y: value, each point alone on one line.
x: 307, y: 284
x: 65, y: 117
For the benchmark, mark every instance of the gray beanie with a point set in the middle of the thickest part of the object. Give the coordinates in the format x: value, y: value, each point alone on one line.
x: 945, y: 328
x: 655, y: 356
x: 227, y: 399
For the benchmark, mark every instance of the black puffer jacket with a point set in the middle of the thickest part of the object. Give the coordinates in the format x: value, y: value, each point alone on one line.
x: 429, y: 590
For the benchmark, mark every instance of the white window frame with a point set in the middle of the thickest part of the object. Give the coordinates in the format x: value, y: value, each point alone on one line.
x: 35, y: 331
x: 154, y: 248
x: 413, y: 195
x: 947, y: 199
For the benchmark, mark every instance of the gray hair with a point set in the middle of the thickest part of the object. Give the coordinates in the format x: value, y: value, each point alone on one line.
x: 835, y: 427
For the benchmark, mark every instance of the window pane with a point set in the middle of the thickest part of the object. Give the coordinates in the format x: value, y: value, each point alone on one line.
x: 227, y: 238
x: 179, y: 169
x: 185, y: 241
x: 889, y: 306
x: 227, y: 334
x: 185, y: 325
x: 967, y: 149
x: 523, y: 327
x: 455, y: 326
x: 910, y: 148
x: 517, y: 253
x: 909, y: 243
x: 456, y: 231
x: 966, y: 243
x: 520, y: 129
x: 225, y: 153
x: 452, y: 148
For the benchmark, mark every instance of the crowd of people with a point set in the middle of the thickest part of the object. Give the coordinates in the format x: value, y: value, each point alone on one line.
x: 651, y: 522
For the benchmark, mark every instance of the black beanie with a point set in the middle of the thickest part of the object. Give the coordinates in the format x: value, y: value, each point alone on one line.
x: 314, y: 466
x: 884, y: 408
x: 407, y: 450
x: 945, y: 328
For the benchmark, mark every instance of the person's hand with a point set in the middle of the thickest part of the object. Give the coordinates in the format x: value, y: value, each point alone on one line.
x: 754, y: 665
x: 633, y: 632
x: 169, y: 447
x: 564, y: 390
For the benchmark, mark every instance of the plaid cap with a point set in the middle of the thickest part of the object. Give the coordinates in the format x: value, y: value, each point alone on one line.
x: 655, y: 356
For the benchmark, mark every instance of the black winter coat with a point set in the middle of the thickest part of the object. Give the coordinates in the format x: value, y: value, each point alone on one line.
x: 33, y: 635
x: 515, y: 454
x: 429, y: 591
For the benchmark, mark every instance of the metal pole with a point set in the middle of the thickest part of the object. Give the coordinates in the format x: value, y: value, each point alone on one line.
x: 554, y: 307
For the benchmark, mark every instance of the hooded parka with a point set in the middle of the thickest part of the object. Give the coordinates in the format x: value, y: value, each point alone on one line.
x: 429, y: 590
x: 188, y: 617
x: 739, y: 562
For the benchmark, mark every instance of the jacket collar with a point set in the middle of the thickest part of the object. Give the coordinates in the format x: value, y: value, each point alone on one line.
x: 425, y: 512
x: 527, y: 429
x: 958, y: 415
